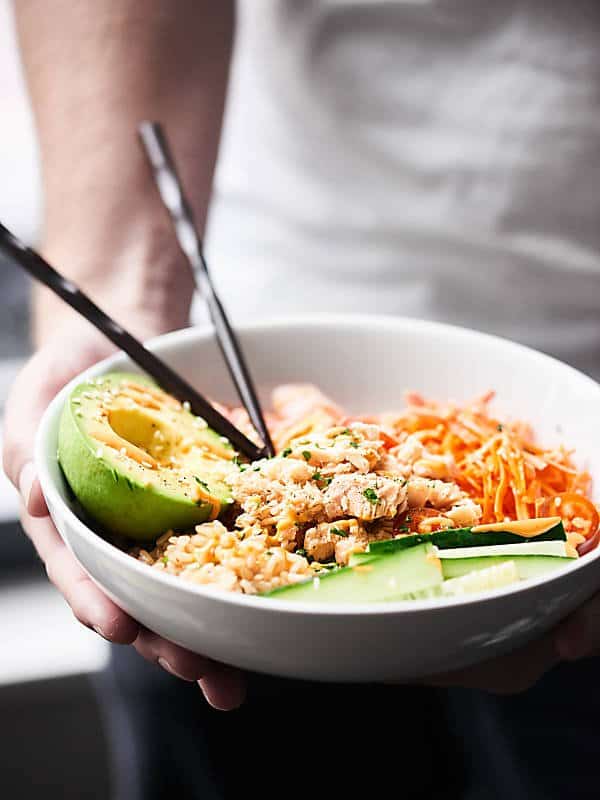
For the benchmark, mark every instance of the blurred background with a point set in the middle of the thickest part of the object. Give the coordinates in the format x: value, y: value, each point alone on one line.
x: 49, y: 723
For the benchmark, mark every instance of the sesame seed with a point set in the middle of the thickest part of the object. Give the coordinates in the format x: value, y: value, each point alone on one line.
x: 123, y: 451
x: 147, y: 464
x: 316, y: 582
x: 186, y: 406
x: 99, y: 452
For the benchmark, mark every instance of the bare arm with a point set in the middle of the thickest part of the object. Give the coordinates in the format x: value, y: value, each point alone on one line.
x: 94, y: 71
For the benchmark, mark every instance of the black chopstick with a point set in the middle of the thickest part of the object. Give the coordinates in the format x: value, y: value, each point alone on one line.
x: 30, y: 261
x: 171, y: 192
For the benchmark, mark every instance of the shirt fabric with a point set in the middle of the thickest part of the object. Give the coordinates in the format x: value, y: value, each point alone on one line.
x: 433, y: 158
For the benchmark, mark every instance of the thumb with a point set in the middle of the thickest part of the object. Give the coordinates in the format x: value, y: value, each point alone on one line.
x: 35, y: 386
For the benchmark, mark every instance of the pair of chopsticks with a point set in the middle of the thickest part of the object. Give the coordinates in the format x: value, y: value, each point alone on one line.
x: 169, y: 186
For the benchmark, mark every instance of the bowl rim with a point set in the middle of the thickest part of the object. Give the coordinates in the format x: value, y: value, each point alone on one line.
x: 268, y: 326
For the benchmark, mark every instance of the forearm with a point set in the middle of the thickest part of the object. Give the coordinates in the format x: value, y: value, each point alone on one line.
x: 94, y: 71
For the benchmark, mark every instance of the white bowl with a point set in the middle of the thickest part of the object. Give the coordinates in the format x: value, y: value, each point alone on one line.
x: 365, y: 363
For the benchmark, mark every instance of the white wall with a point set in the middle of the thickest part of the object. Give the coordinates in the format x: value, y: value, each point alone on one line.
x: 19, y: 179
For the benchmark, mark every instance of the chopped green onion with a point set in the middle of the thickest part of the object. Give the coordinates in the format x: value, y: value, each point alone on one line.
x: 371, y: 495
x: 285, y: 453
x: 306, y: 454
x: 339, y: 532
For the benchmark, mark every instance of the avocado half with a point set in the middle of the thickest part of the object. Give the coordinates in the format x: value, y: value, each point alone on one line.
x: 138, y: 461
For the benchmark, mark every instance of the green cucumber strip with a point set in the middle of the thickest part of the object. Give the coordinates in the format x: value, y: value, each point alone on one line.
x: 482, y: 580
x: 463, y: 537
x: 527, y: 566
x: 385, y: 579
x: 556, y: 548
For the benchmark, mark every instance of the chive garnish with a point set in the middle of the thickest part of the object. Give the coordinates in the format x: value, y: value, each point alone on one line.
x: 371, y: 495
x: 339, y: 532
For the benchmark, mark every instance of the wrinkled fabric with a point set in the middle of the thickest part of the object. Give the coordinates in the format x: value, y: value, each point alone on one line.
x: 434, y: 158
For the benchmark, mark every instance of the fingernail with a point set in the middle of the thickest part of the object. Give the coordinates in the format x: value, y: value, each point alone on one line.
x: 26, y: 479
x: 166, y: 666
x: 225, y: 692
x: 100, y: 632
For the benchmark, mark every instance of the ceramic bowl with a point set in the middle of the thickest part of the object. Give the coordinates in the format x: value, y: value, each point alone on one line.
x: 365, y: 363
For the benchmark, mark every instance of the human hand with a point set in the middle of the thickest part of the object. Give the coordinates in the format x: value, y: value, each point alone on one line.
x: 575, y: 638
x: 64, y: 356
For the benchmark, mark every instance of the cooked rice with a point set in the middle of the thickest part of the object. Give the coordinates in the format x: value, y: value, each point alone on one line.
x: 332, y: 490
x: 213, y: 555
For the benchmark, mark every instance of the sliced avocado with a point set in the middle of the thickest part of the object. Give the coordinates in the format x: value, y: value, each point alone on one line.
x: 137, y: 461
x: 391, y: 577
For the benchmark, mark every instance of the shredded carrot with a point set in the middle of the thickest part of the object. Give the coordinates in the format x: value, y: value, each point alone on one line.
x: 499, y: 464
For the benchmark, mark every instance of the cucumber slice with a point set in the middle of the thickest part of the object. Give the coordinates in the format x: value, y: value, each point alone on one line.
x: 556, y: 548
x: 482, y: 580
x: 387, y: 578
x: 361, y: 558
x: 465, y: 537
x: 527, y: 566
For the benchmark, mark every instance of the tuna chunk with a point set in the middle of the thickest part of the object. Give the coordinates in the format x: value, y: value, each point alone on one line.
x: 423, y: 491
x: 366, y: 497
x: 465, y: 513
x: 339, y: 538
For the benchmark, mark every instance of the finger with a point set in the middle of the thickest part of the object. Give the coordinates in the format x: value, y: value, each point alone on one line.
x: 26, y: 404
x: 222, y: 686
x: 177, y: 660
x: 579, y: 635
x: 35, y: 386
x: 88, y: 603
x: 31, y: 492
x: 224, y: 689
x: 508, y: 674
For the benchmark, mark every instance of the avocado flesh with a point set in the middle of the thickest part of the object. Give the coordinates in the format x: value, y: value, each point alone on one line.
x: 137, y: 461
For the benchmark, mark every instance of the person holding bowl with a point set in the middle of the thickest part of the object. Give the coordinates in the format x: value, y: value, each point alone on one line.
x: 428, y: 159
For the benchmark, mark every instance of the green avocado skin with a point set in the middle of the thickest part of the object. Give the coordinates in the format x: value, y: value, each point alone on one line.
x: 118, y: 503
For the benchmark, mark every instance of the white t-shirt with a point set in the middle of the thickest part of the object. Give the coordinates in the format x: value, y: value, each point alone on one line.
x: 432, y: 158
